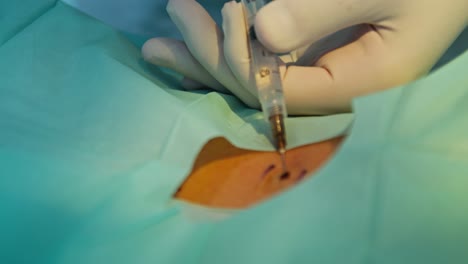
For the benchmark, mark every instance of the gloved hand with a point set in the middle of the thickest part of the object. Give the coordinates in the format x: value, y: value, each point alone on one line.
x: 343, y: 48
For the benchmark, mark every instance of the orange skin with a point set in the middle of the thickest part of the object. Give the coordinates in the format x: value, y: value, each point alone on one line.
x: 228, y: 177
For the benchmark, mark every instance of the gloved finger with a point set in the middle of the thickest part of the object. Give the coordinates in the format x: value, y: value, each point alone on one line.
x: 174, y: 54
x: 205, y: 42
x: 285, y: 25
x: 236, y: 49
x: 363, y: 66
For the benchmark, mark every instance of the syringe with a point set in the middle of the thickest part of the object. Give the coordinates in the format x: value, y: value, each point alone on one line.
x: 265, y: 69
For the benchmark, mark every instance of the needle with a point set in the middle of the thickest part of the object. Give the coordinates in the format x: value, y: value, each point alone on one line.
x: 282, y: 153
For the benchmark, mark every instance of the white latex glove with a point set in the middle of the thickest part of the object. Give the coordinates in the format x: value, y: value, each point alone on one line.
x: 346, y: 48
x: 202, y: 58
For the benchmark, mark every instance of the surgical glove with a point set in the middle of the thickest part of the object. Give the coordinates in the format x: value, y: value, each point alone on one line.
x: 201, y: 58
x: 342, y: 48
x: 393, y: 42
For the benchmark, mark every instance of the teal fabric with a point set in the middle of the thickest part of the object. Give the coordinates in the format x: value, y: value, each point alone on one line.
x: 93, y: 142
x: 396, y: 191
x: 140, y: 17
x: 15, y: 16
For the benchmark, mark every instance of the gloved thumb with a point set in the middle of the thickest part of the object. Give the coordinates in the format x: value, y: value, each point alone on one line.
x: 285, y: 25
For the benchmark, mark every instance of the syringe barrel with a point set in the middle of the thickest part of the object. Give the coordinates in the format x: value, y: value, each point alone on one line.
x: 266, y: 72
x: 265, y: 66
x: 268, y: 81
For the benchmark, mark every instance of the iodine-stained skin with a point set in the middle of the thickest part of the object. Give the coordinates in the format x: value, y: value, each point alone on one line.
x: 302, y: 175
x: 268, y: 170
x: 226, y: 176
